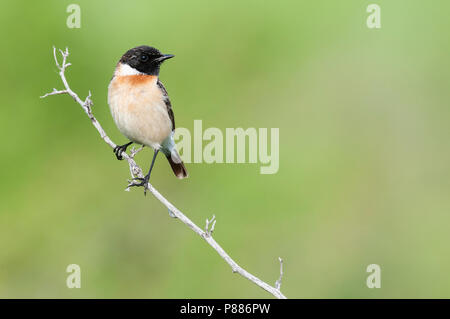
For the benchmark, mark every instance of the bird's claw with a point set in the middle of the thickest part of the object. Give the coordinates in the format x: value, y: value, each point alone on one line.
x: 143, y: 181
x: 118, y: 152
x: 119, y: 149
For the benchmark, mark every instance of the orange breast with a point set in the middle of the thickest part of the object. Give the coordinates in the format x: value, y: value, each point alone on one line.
x: 138, y: 107
x: 141, y: 79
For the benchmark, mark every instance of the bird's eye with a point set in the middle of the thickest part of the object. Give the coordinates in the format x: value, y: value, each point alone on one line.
x: 144, y: 57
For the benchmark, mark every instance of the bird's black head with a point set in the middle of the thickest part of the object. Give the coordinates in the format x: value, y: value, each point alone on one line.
x: 145, y: 59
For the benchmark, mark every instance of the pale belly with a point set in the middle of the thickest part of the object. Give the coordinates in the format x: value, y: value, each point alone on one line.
x: 139, y: 111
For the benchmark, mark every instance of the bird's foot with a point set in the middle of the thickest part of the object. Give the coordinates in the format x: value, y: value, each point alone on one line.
x: 119, y: 149
x: 142, y: 182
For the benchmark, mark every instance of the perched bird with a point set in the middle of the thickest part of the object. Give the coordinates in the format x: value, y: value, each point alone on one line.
x: 141, y: 107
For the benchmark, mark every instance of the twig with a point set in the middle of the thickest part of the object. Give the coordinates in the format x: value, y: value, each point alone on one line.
x: 209, y: 230
x: 134, y: 151
x: 136, y: 171
x: 278, y: 282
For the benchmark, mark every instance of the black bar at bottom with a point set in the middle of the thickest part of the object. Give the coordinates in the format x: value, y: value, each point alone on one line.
x: 226, y: 308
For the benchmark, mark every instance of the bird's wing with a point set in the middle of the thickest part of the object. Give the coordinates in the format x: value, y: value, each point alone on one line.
x: 168, y: 104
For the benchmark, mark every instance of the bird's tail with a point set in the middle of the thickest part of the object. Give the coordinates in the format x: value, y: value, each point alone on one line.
x: 177, y: 164
x: 170, y: 150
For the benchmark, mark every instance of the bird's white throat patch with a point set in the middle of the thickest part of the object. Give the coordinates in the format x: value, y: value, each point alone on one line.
x: 124, y: 70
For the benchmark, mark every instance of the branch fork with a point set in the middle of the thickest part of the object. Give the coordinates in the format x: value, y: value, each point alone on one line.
x: 209, y: 230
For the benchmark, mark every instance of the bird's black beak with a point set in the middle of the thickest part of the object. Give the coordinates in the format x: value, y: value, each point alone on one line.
x: 164, y: 57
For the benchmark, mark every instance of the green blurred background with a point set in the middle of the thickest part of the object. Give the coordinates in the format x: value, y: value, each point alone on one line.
x: 364, y: 157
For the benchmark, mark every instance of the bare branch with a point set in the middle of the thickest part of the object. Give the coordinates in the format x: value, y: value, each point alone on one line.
x: 56, y: 58
x: 54, y: 92
x: 278, y: 282
x: 134, y: 151
x: 136, y: 171
x: 208, y: 230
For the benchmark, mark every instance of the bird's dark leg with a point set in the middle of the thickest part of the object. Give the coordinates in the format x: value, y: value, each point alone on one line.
x: 144, y: 181
x: 119, y: 149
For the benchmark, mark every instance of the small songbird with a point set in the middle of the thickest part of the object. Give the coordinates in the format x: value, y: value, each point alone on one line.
x: 141, y: 107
